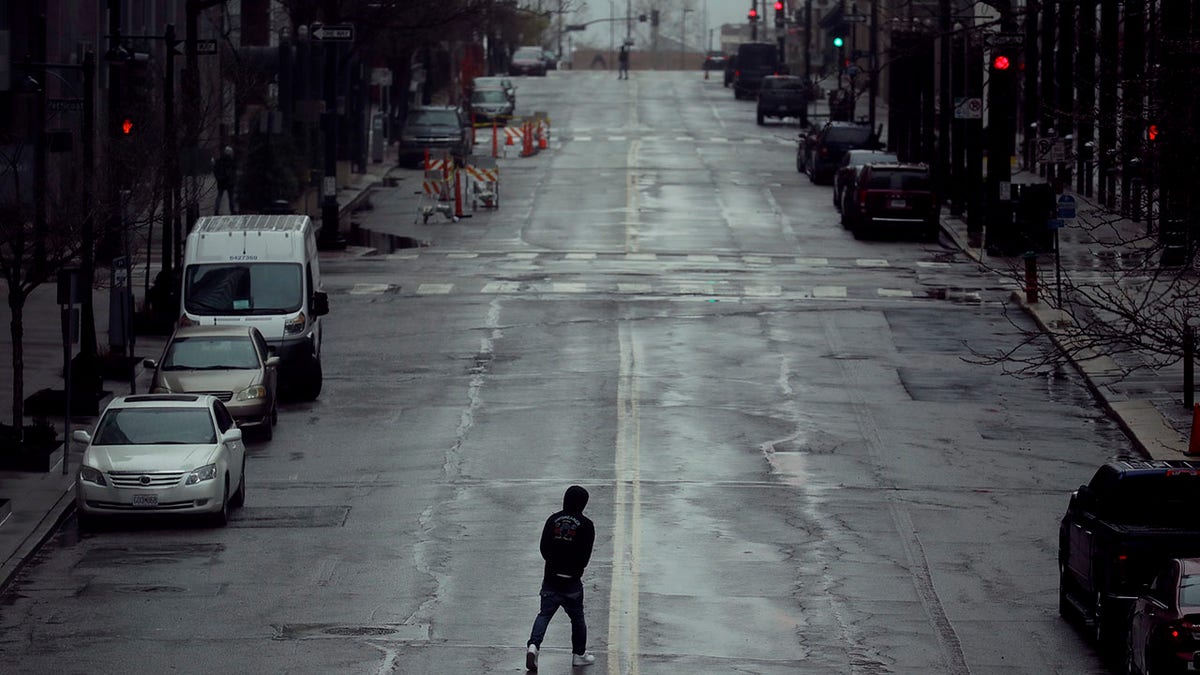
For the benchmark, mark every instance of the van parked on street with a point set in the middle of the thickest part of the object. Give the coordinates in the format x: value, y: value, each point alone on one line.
x: 262, y: 271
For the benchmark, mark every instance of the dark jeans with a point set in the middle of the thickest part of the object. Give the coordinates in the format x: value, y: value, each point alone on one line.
x: 570, y: 599
x: 229, y: 195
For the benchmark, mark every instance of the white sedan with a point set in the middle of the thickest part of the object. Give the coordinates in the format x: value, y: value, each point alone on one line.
x: 162, y: 453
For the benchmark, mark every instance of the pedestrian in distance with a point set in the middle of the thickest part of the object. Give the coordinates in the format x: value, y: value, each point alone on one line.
x: 225, y: 172
x: 623, y: 60
x: 566, y: 546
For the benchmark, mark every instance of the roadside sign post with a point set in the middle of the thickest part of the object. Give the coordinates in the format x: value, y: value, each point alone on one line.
x: 1065, y: 212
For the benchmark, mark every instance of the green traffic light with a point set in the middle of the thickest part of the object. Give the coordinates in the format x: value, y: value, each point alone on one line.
x: 838, y: 42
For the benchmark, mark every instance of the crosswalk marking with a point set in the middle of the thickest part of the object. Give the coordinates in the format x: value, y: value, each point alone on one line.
x: 370, y: 289
x: 894, y: 292
x: 568, y: 287
x: 829, y: 292
x: 871, y: 262
x: 462, y: 256
x: 501, y: 287
x: 434, y: 289
x: 756, y: 259
x: 643, y: 257
x: 760, y: 291
x: 523, y: 256
x: 933, y: 265
x: 634, y: 288
x: 696, y: 289
x: 812, y: 262
x: 580, y: 256
x: 699, y: 257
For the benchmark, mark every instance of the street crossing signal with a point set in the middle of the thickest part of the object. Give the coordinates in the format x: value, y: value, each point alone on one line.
x: 127, y: 127
x: 780, y: 19
x: 1152, y: 132
x: 1001, y: 62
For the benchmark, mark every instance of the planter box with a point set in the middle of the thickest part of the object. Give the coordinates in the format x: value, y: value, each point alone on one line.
x: 30, y: 459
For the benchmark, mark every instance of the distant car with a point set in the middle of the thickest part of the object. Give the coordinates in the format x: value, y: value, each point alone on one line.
x: 490, y: 104
x: 730, y: 68
x: 504, y: 83
x: 818, y: 153
x: 893, y: 199
x: 159, y: 454
x: 847, y: 170
x: 438, y: 129
x: 783, y: 96
x: 714, y: 61
x: 1164, y: 627
x: 527, y: 61
x: 232, y: 362
x: 551, y: 60
x: 755, y: 60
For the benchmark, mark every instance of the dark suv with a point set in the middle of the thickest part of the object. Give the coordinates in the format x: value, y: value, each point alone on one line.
x: 819, y: 153
x: 783, y: 96
x: 438, y: 129
x: 893, y: 198
x: 755, y: 60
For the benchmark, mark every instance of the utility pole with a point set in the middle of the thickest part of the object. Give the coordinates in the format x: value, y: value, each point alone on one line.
x: 807, y: 40
x: 945, y: 102
x: 1178, y: 103
x: 873, y: 62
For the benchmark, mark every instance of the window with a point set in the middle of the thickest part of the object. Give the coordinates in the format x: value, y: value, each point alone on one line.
x: 147, y: 426
x: 224, y: 419
x: 243, y: 288
x: 210, y: 353
x: 855, y: 135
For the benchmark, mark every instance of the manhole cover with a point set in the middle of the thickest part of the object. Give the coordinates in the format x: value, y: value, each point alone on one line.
x: 391, y: 631
x: 290, y: 516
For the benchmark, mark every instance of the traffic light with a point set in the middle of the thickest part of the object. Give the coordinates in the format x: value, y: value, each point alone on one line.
x: 752, y: 15
x: 1001, y: 62
x: 1152, y: 132
x: 838, y: 42
x: 127, y: 126
x: 780, y: 19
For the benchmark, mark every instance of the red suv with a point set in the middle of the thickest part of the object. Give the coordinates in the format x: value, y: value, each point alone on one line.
x: 893, y: 198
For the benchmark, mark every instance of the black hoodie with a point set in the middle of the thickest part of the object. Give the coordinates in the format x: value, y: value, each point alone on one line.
x: 567, y: 540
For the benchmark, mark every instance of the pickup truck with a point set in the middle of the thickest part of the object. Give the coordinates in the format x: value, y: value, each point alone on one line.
x: 1118, y: 530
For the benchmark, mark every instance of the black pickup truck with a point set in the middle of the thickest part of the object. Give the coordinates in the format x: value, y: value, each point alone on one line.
x: 1119, y: 528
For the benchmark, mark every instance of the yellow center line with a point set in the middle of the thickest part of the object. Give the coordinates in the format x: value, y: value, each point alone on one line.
x: 627, y: 506
x: 632, y: 204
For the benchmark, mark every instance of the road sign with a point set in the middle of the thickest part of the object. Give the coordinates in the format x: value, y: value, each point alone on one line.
x: 65, y: 105
x: 854, y: 18
x: 334, y: 33
x: 1066, y: 206
x: 1005, y: 40
x: 206, y: 47
x: 968, y: 108
x: 1055, y: 223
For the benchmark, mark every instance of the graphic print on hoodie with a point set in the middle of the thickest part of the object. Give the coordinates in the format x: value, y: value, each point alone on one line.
x: 567, y: 539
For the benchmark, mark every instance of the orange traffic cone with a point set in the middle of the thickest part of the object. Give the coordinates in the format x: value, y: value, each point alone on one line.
x: 1194, y: 441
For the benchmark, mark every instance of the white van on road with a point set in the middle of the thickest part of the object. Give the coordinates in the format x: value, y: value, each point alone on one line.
x: 260, y: 270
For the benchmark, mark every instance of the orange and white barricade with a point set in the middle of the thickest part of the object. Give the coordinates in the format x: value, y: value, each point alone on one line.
x: 483, y: 183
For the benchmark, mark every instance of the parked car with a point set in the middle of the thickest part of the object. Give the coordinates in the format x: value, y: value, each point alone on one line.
x: 527, y: 60
x: 551, y: 59
x: 504, y: 83
x: 783, y: 96
x: 438, y: 129
x: 893, y: 199
x: 159, y: 454
x: 819, y: 152
x: 232, y: 362
x: 490, y: 104
x: 1164, y: 624
x: 847, y: 170
x: 730, y: 69
x: 1119, y: 530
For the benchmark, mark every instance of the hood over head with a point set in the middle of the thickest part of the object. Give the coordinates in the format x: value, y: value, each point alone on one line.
x: 575, y: 499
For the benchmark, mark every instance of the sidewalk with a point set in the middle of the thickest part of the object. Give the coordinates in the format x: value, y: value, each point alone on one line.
x: 32, y: 504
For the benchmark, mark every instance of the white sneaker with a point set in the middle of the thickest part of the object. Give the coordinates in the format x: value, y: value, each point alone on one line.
x: 584, y: 659
x: 531, y: 658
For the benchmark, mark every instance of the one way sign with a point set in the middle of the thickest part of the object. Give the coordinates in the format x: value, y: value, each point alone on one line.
x: 334, y: 33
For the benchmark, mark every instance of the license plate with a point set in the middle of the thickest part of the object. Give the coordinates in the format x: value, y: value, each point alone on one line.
x: 145, y: 500
x: 898, y: 204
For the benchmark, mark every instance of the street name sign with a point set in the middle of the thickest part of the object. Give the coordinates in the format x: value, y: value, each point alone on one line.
x: 65, y: 105
x: 206, y: 47
x: 334, y: 33
x: 1005, y: 40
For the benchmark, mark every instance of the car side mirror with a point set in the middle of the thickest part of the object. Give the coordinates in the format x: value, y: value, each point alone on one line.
x: 149, y: 363
x: 81, y: 436
x: 232, y: 436
x: 320, y: 303
x: 271, y: 362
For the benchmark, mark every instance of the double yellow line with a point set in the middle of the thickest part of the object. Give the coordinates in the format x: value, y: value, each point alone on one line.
x: 623, y: 652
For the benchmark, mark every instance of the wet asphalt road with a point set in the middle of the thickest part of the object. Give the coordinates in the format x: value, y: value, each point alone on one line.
x: 794, y: 466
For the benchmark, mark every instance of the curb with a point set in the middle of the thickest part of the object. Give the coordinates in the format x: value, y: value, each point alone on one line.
x: 47, y: 526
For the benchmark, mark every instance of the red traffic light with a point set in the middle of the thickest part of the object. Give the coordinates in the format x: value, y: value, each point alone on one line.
x: 752, y: 15
x: 1001, y: 62
x: 778, y: 5
x: 127, y: 126
x: 1152, y: 132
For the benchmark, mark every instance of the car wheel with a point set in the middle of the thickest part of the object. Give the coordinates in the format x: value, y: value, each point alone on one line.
x: 86, y: 522
x: 837, y: 198
x: 310, y: 388
x: 221, y: 517
x: 239, y: 497
x: 266, y: 430
x: 760, y: 119
x: 1065, y: 609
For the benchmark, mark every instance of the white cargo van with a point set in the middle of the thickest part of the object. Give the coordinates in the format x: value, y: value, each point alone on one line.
x: 260, y: 270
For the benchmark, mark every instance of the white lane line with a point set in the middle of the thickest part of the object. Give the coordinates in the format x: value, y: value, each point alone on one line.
x: 623, y: 616
x: 829, y: 291
x: 369, y: 289
x: 568, y: 287
x: 584, y: 139
x: 932, y: 264
x: 501, y: 287
x: 401, y: 256
x: 641, y: 257
x: 632, y: 200
x: 697, y: 289
x: 894, y: 293
x: 703, y: 258
x: 580, y: 256
x: 434, y: 289
x: 761, y: 291
x: 633, y: 288
x: 461, y: 256
x: 522, y: 256
x: 871, y: 262
x: 812, y: 262
x: 756, y: 259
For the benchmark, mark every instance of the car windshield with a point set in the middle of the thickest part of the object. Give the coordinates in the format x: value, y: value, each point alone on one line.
x: 1189, y: 591
x: 151, y: 426
x: 899, y: 180
x: 488, y: 96
x: 429, y: 118
x: 777, y: 83
x: 243, y: 288
x: 528, y: 53
x: 847, y: 135
x: 490, y: 82
x: 1153, y: 499
x: 211, y: 353
x: 860, y: 158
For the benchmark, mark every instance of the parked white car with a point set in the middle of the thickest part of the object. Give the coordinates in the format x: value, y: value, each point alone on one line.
x: 162, y: 453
